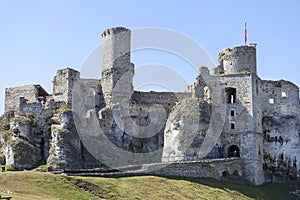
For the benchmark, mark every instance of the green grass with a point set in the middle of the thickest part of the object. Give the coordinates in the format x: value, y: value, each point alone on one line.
x: 268, y: 191
x: 152, y: 187
x: 38, y: 185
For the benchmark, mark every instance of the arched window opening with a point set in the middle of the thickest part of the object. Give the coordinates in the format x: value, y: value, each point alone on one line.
x: 225, y: 173
x: 235, y: 173
x: 233, y: 151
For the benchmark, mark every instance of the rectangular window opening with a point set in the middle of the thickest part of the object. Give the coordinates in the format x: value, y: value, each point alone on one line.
x: 231, y: 95
x: 232, y: 113
x: 283, y: 94
x: 232, y: 125
x: 271, y: 101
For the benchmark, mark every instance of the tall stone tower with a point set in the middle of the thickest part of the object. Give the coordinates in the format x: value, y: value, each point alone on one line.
x: 242, y: 135
x: 240, y: 59
x: 117, y: 70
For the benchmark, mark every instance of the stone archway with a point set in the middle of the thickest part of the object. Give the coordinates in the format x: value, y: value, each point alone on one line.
x: 233, y: 151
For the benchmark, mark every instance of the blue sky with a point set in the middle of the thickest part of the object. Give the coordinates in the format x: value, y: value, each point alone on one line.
x: 37, y: 39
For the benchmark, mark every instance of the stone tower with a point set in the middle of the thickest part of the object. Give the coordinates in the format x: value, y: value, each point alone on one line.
x: 117, y: 70
x: 63, y: 84
x: 242, y: 134
x: 240, y: 59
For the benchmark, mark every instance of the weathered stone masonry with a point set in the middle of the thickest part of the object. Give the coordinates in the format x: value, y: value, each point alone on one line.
x: 259, y: 142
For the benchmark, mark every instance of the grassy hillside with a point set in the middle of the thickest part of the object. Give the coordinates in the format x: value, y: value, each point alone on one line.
x: 36, y: 185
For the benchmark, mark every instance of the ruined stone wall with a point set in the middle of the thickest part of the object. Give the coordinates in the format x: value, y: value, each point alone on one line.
x: 280, y: 98
x: 166, y: 99
x: 12, y: 96
x: 37, y: 122
x: 255, y: 139
x: 252, y: 156
x: 63, y: 84
x: 93, y: 95
x: 243, y: 126
x: 250, y: 146
x: 242, y: 107
x: 258, y: 103
x: 199, y: 87
x: 139, y: 126
x: 215, y: 168
x: 276, y: 109
x: 33, y: 108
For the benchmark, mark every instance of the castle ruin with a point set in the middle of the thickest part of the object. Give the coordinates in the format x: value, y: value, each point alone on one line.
x: 259, y: 139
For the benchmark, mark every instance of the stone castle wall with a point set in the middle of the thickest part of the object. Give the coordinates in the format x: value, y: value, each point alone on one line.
x: 255, y: 111
x: 258, y: 103
x: 13, y: 95
x: 30, y: 108
x: 166, y: 99
x: 63, y: 84
x: 242, y: 105
x: 228, y: 169
x: 280, y: 98
x: 93, y: 96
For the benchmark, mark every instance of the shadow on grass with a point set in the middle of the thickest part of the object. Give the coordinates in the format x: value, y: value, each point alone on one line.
x: 267, y: 191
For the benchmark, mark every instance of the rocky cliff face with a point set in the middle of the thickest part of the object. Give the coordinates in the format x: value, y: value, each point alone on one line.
x: 281, y: 147
x: 29, y: 139
x: 67, y: 150
x: 25, y: 138
x: 185, y: 129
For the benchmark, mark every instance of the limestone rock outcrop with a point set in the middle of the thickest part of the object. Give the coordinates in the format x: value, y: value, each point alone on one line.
x: 281, y: 147
x: 186, y: 125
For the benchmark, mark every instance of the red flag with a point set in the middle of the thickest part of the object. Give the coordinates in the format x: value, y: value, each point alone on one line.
x: 245, y: 33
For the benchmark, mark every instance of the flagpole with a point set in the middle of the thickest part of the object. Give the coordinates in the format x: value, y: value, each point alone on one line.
x: 245, y: 34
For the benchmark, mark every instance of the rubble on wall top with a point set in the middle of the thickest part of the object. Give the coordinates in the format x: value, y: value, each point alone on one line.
x: 114, y: 30
x: 236, y: 49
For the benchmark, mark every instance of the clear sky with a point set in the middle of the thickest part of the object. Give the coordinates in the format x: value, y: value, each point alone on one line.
x: 37, y: 38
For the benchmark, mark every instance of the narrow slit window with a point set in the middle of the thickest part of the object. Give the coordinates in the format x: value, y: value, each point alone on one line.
x: 232, y: 126
x: 283, y: 94
x: 256, y: 87
x: 232, y: 113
